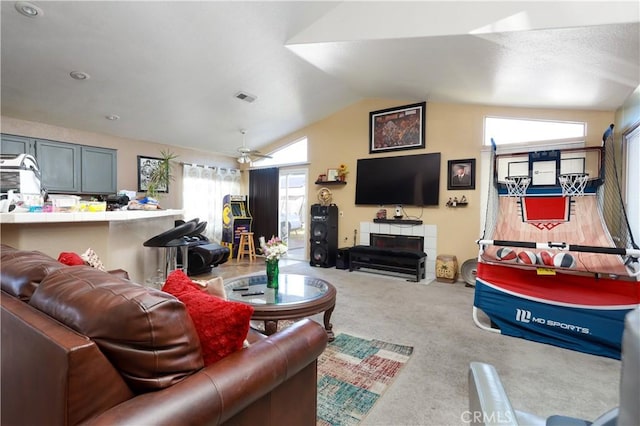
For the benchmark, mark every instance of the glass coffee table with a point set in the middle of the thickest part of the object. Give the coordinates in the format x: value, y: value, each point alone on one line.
x: 297, y: 296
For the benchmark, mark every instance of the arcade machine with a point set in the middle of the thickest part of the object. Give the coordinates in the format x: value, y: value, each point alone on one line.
x: 236, y: 219
x: 558, y: 263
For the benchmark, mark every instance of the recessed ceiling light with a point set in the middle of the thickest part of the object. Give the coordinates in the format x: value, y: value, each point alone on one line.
x: 79, y: 75
x: 28, y: 9
x: 112, y: 117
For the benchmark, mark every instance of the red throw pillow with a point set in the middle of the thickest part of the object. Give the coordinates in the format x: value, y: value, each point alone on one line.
x: 178, y: 283
x: 222, y: 326
x: 70, y: 259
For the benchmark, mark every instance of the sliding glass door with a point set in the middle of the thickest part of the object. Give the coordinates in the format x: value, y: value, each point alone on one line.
x: 292, y: 212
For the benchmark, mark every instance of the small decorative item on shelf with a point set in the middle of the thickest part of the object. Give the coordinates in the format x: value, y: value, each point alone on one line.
x: 273, y: 250
x: 322, y: 178
x: 455, y: 203
x: 343, y: 172
x: 332, y: 175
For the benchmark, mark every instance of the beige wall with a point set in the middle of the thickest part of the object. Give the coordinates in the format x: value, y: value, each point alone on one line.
x: 455, y: 131
x: 628, y: 114
x: 128, y: 150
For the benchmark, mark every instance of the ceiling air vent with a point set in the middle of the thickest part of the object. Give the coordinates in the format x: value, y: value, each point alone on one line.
x: 244, y: 96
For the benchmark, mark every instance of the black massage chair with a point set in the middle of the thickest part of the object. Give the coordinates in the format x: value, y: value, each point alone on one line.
x: 202, y: 254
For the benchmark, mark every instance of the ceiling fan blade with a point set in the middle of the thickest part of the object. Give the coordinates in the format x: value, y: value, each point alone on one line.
x: 257, y: 154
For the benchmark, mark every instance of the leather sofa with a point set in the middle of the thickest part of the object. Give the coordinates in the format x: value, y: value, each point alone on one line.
x: 143, y: 365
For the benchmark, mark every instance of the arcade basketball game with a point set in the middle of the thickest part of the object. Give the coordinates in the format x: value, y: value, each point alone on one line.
x: 558, y: 263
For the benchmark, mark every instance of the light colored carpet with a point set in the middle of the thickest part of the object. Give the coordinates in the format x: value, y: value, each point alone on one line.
x: 435, y: 319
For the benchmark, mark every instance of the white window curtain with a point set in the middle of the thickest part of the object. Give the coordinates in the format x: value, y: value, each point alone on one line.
x: 203, y: 189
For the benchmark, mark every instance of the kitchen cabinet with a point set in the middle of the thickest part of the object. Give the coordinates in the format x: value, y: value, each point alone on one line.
x: 14, y: 145
x: 67, y: 167
x: 59, y: 165
x: 99, y: 170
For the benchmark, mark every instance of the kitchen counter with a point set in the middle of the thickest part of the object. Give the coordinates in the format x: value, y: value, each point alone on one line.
x: 117, y: 237
x: 86, y: 216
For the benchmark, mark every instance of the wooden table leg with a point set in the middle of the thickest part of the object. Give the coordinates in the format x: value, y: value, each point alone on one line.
x: 270, y: 327
x: 327, y: 323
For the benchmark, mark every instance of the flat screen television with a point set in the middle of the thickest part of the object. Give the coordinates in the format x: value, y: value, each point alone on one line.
x: 412, y: 180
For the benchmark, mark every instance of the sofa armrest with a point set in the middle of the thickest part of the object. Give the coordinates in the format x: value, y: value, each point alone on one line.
x: 222, y: 390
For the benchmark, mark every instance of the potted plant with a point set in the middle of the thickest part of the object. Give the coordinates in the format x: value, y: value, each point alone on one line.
x: 161, y: 175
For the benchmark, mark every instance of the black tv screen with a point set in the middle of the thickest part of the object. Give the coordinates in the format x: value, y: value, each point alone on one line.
x: 408, y: 180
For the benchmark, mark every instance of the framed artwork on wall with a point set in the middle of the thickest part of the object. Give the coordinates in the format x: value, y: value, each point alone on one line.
x: 146, y: 167
x: 462, y: 174
x: 397, y: 128
x: 332, y: 175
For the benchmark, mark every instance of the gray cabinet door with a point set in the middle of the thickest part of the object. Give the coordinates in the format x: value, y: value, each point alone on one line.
x: 15, y: 145
x: 59, y: 165
x: 99, y: 170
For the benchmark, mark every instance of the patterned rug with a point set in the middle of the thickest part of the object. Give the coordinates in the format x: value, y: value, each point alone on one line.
x: 353, y: 373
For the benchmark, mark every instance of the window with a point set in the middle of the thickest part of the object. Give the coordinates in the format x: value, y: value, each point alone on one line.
x: 294, y: 153
x: 507, y: 131
x: 632, y: 145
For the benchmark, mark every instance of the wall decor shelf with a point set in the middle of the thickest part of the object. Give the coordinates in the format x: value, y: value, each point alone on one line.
x: 457, y: 204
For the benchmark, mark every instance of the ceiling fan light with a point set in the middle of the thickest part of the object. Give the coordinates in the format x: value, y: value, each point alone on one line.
x: 243, y: 160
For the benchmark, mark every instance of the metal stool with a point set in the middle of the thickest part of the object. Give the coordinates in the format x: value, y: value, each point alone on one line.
x: 246, y: 246
x: 171, y: 241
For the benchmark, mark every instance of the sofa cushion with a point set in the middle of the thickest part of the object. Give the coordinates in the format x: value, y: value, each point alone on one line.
x: 22, y: 271
x: 222, y: 325
x: 214, y: 286
x: 70, y: 258
x: 147, y: 334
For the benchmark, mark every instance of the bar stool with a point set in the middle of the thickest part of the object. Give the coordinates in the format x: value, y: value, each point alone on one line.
x: 246, y: 246
x: 172, y: 241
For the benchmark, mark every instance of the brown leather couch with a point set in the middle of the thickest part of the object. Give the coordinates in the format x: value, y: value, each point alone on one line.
x: 142, y: 365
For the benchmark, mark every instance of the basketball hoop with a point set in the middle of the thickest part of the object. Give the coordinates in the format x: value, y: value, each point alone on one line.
x: 517, y: 185
x: 573, y: 183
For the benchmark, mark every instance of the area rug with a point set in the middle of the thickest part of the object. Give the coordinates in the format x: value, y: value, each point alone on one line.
x: 353, y: 373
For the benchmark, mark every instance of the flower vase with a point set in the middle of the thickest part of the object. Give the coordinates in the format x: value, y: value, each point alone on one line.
x: 272, y: 273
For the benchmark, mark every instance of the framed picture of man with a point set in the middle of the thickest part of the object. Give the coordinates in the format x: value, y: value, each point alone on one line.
x: 462, y: 174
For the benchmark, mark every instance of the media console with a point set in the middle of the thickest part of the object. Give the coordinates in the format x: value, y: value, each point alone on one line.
x: 399, y: 221
x: 411, y: 262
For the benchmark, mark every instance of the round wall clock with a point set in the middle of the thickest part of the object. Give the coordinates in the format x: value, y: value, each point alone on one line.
x: 325, y: 196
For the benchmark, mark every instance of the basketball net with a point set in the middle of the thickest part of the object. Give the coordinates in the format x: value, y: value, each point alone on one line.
x: 573, y: 184
x: 517, y: 185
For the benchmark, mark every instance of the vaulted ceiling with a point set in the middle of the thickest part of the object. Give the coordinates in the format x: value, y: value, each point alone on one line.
x: 171, y: 70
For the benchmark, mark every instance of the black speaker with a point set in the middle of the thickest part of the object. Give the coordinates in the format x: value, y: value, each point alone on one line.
x: 324, y: 235
x: 342, y: 258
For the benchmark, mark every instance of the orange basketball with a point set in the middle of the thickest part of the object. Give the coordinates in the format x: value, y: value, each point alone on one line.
x: 506, y: 254
x: 545, y: 258
x: 564, y: 260
x: 527, y: 257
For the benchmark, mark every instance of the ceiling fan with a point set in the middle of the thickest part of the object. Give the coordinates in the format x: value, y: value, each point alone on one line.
x: 246, y: 154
